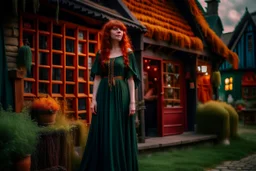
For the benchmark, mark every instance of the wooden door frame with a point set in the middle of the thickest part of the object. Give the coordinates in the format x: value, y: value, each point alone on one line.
x: 159, y: 101
x: 182, y: 92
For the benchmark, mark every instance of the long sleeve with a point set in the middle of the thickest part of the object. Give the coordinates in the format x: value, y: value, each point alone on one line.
x: 133, y: 70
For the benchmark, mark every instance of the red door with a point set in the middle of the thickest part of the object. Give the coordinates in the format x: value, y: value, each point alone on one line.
x: 172, y: 97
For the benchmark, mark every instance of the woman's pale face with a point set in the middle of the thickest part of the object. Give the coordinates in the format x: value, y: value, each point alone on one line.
x: 116, y: 33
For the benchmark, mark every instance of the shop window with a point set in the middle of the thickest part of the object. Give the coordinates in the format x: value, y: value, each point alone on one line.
x: 249, y: 92
x: 229, y: 84
x: 249, y: 86
x: 171, y: 79
x: 62, y: 55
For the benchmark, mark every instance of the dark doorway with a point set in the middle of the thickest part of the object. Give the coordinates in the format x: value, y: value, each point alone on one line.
x: 152, y: 87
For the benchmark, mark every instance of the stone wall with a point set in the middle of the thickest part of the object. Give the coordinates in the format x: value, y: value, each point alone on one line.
x: 11, y: 37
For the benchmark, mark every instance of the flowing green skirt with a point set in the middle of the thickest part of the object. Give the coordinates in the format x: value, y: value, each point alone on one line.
x: 112, y: 142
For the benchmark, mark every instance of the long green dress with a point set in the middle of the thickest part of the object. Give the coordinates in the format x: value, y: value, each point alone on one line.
x: 112, y: 143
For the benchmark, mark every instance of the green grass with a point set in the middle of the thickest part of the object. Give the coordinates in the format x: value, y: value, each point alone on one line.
x: 200, y: 157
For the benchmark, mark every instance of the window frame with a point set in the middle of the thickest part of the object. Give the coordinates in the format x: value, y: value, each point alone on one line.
x: 249, y: 81
x: 78, y: 97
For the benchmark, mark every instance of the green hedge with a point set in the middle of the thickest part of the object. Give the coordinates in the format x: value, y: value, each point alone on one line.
x: 234, y: 119
x: 213, y: 119
x: 218, y: 118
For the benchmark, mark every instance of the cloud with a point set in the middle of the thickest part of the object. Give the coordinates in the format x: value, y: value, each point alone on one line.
x: 231, y: 11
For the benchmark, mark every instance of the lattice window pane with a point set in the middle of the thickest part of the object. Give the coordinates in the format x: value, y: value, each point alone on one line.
x: 43, y: 58
x: 82, y: 104
x: 56, y: 59
x: 70, y: 45
x: 56, y: 88
x: 57, y: 74
x: 70, y: 75
x: 44, y: 88
x: 43, y: 42
x: 70, y: 89
x: 43, y: 74
x: 57, y: 43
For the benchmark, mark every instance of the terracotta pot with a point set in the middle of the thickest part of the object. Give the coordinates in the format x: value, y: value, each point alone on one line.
x: 43, y: 117
x: 46, y: 119
x: 23, y: 164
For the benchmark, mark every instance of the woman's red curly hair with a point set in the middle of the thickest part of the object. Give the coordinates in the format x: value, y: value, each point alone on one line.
x: 106, y: 41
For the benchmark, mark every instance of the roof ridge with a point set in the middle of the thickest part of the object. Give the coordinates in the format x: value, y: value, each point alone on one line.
x: 253, y: 13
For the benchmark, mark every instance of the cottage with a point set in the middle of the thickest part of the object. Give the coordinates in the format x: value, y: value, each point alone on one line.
x: 241, y: 84
x: 175, y: 48
x: 64, y: 37
x: 180, y: 52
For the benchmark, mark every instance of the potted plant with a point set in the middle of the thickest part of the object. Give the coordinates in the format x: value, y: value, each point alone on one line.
x: 44, y: 110
x: 18, y: 140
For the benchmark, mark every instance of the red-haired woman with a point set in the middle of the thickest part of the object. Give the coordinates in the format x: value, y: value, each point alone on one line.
x: 112, y: 143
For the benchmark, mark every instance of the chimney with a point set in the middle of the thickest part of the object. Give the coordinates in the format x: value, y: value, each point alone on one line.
x: 212, y: 7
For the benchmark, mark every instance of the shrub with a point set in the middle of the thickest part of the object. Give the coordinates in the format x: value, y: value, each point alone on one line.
x: 213, y: 118
x: 18, y: 137
x: 233, y: 119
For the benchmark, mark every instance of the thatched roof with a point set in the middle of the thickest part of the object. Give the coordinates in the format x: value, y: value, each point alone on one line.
x: 164, y: 22
x: 216, y: 44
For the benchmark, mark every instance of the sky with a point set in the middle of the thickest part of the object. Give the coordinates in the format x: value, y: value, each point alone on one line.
x: 231, y: 11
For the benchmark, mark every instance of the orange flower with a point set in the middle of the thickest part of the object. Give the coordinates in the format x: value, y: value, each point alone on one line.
x: 45, y: 103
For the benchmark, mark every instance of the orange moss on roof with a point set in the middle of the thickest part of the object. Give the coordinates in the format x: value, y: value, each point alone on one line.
x: 164, y: 22
x: 217, y: 45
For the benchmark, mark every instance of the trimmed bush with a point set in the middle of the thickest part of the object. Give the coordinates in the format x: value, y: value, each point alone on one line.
x: 233, y: 119
x: 218, y: 118
x: 213, y: 118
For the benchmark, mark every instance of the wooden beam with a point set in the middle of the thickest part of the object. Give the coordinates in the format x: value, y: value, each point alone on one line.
x: 165, y: 44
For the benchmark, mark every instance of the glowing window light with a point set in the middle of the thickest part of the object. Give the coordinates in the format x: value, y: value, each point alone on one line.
x: 148, y: 67
x: 230, y: 86
x: 226, y: 81
x: 199, y: 68
x: 226, y: 87
x: 204, y: 68
x: 231, y: 80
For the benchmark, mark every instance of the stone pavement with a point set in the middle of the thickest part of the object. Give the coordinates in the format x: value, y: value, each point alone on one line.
x: 245, y: 164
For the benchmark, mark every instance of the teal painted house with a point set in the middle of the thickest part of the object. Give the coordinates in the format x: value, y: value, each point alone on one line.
x: 241, y: 83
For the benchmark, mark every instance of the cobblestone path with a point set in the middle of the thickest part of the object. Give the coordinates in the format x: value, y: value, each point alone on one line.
x: 245, y: 164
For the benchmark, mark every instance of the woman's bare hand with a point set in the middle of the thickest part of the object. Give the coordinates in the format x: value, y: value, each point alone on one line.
x: 132, y: 109
x: 94, y: 107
